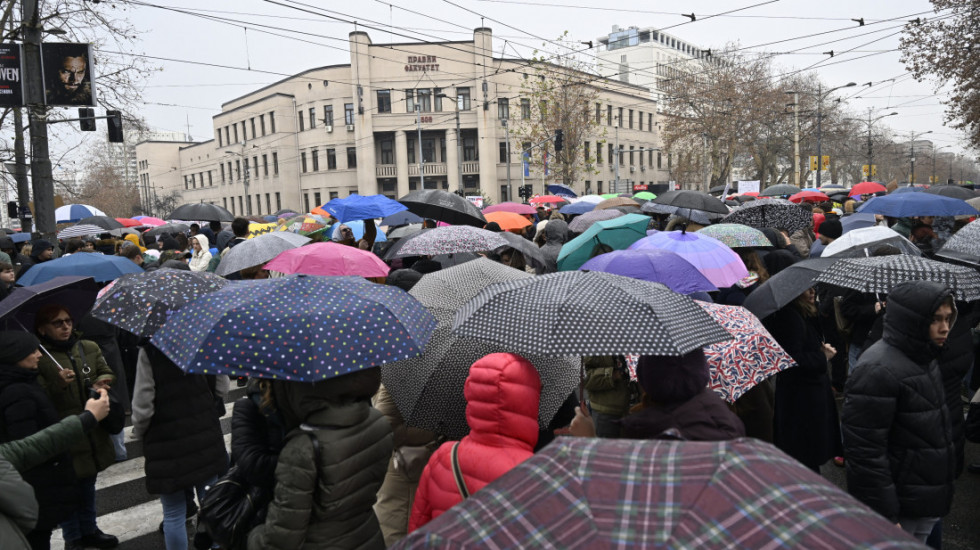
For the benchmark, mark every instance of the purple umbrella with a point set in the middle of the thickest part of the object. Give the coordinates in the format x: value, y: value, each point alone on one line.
x: 654, y: 265
x: 720, y: 264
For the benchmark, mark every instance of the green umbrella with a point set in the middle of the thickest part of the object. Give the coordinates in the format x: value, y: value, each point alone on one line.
x: 609, y: 195
x: 617, y: 233
x: 645, y: 195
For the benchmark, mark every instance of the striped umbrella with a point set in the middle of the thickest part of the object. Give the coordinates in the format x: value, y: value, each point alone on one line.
x: 71, y: 213
x: 80, y: 231
x: 720, y: 264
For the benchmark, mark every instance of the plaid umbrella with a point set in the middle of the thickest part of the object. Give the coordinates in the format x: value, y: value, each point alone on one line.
x: 259, y: 250
x: 513, y: 207
x: 80, y: 231
x: 654, y: 265
x: 713, y: 258
x: 328, y: 258
x: 778, y: 213
x: 450, y: 239
x: 881, y: 273
x: 585, y: 221
x: 964, y: 245
x: 617, y: 233
x: 860, y: 243
x: 359, y: 207
x: 201, y: 211
x: 736, y: 235
x: 443, y: 206
x: 587, y: 313
x: 778, y: 190
x: 783, y: 287
x: 617, y: 493
x: 141, y: 303
x: 296, y: 328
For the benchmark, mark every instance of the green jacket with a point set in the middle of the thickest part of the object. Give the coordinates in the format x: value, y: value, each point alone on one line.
x: 35, y: 449
x: 609, y: 391
x: 18, y: 508
x: 93, y: 453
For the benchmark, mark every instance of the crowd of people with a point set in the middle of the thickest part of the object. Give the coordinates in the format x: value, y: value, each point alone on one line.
x: 877, y: 388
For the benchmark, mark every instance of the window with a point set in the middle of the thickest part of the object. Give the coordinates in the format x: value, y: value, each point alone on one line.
x: 428, y: 150
x: 227, y: 136
x: 543, y: 108
x: 302, y: 160
x: 503, y: 108
x: 255, y: 165
x: 384, y: 101
x: 222, y: 173
x: 219, y: 144
x: 349, y: 114
x: 619, y: 122
x: 210, y: 181
x: 235, y: 128
x: 631, y: 155
x: 587, y: 149
x: 278, y: 202
x: 463, y: 99
x: 622, y: 155
x: 503, y: 152
x: 387, y: 151
x: 598, y: 187
x: 300, y: 116
x: 262, y: 123
x: 241, y: 210
x: 229, y: 172
x: 272, y: 122
x: 334, y: 195
x: 252, y: 122
x: 275, y: 164
x: 525, y: 109
x: 469, y: 148
x: 268, y: 203
x: 640, y: 119
x: 316, y: 161
x: 410, y: 142
x: 598, y: 113
x: 238, y: 169
x: 424, y: 98
x: 437, y: 99
x: 410, y: 101
x: 352, y: 157
x: 612, y: 154
x: 442, y: 149
x: 224, y: 203
x: 659, y: 160
x: 316, y: 198
x: 187, y: 182
x: 306, y: 202
x: 598, y: 153
x: 650, y: 122
x: 331, y: 159
x: 631, y: 118
x: 328, y: 115
x: 640, y: 151
x: 312, y: 118
x: 244, y: 133
x: 265, y: 165
x: 609, y: 117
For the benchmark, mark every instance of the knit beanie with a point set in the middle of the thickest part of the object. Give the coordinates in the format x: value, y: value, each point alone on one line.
x: 40, y: 246
x: 673, y: 379
x: 831, y: 229
x: 16, y: 345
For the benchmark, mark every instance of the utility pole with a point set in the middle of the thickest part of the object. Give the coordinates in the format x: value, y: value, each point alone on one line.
x: 459, y: 154
x: 912, y: 136
x: 870, y: 156
x: 20, y: 173
x: 819, y: 125
x: 796, y: 139
x: 510, y: 189
x: 41, y: 180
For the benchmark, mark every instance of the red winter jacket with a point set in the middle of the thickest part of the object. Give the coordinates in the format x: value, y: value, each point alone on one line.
x: 502, y: 394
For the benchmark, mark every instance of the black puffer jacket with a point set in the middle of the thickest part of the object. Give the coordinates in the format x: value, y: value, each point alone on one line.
x: 954, y: 364
x: 897, y: 436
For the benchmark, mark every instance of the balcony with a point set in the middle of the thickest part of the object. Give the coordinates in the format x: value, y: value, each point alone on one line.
x: 429, y: 169
x: 471, y: 167
x: 386, y: 170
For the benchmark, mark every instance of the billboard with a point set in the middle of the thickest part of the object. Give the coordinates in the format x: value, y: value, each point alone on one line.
x: 11, y: 76
x: 68, y: 77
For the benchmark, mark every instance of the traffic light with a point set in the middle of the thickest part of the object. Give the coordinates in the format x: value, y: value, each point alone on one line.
x: 12, y: 212
x: 86, y: 119
x: 559, y: 140
x: 115, y: 126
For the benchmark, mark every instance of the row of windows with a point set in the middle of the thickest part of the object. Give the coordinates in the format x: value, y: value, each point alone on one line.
x: 314, y: 158
x: 587, y: 154
x: 327, y: 120
x: 243, y: 170
x: 144, y: 164
x: 229, y: 204
x: 231, y: 131
x: 317, y: 197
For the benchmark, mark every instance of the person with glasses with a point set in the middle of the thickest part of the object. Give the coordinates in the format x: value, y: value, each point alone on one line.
x: 68, y: 368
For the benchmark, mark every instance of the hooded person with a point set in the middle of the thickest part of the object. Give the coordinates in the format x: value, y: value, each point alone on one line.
x: 201, y: 253
x: 135, y: 240
x: 168, y: 242
x: 555, y: 233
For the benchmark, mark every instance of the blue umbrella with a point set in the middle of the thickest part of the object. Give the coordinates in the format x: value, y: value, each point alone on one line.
x: 909, y: 189
x: 401, y: 218
x: 71, y: 213
x: 100, y: 267
x: 654, y: 265
x: 905, y: 205
x: 20, y: 237
x: 560, y: 190
x: 18, y: 309
x: 580, y: 207
x: 357, y: 227
x: 362, y: 207
x: 302, y: 328
x: 857, y: 221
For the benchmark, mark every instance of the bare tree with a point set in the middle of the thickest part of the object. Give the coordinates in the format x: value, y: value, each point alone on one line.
x: 105, y: 185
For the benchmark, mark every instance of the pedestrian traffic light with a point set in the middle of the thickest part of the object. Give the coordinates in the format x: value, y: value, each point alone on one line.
x: 86, y: 119
x: 559, y: 140
x: 115, y: 126
x: 12, y: 212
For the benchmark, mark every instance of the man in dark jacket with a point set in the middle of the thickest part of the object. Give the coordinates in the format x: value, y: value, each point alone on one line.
x: 898, y: 438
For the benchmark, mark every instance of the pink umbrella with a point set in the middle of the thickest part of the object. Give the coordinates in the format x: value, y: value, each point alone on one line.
x: 149, y: 220
x: 514, y: 207
x: 809, y: 196
x: 329, y: 259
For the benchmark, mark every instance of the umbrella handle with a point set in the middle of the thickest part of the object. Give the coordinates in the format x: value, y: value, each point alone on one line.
x: 42, y: 348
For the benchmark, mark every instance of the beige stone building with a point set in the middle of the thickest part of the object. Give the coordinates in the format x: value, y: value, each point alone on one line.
x: 332, y: 131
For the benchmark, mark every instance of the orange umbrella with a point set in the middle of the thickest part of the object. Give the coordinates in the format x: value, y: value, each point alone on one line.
x: 508, y: 221
x: 320, y: 212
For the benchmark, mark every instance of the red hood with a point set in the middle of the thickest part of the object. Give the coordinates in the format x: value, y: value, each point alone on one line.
x: 502, y: 394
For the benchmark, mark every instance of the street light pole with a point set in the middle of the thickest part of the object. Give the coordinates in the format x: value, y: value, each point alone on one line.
x: 912, y: 137
x: 796, y: 139
x: 41, y: 180
x: 459, y: 151
x: 616, y: 160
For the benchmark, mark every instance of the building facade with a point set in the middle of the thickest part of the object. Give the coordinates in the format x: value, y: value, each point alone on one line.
x: 398, y: 118
x: 645, y: 57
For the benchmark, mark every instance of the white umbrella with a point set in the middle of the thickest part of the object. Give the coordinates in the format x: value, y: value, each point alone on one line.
x: 593, y: 199
x: 258, y: 251
x: 862, y: 242
x: 83, y: 230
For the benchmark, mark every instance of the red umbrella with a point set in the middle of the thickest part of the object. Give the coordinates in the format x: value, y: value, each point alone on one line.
x: 750, y: 194
x: 867, y: 188
x: 809, y: 196
x: 329, y: 259
x: 129, y: 222
x: 542, y: 199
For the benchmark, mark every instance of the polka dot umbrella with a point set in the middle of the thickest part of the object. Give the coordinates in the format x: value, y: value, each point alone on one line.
x: 303, y: 328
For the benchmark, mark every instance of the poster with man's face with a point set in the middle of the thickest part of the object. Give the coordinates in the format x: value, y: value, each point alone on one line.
x: 67, y: 70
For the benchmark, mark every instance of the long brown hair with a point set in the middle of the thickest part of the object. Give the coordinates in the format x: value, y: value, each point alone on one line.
x: 753, y: 263
x: 805, y: 308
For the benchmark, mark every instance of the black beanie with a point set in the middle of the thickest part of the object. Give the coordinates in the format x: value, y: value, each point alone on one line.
x: 40, y: 246
x: 16, y: 345
x: 673, y: 379
x: 831, y: 229
x: 404, y: 279
x: 169, y: 243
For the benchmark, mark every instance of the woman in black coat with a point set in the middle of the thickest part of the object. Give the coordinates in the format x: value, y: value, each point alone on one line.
x: 806, y: 425
x: 257, y: 436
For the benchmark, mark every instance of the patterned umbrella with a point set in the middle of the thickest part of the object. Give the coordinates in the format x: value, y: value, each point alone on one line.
x: 100, y: 267
x: 654, y: 265
x: 104, y: 222
x: 71, y: 213
x: 778, y: 213
x: 779, y: 190
x: 720, y: 264
x: 867, y: 188
x: 738, y: 365
x: 614, y: 202
x: 305, y: 224
x: 736, y: 235
x: 450, y: 239
x: 508, y: 221
x: 964, y: 245
x: 80, y: 231
x: 587, y: 313
x: 514, y: 207
x: 905, y: 205
x: 258, y: 251
x: 201, y: 212
x: 142, y: 302
x: 296, y: 328
x: 585, y: 493
x: 443, y: 206
x: 860, y: 243
x: 360, y: 207
x: 617, y: 234
x: 329, y: 258
x: 585, y: 221
x: 880, y: 273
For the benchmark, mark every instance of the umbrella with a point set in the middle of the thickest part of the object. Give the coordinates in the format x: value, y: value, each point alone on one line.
x: 905, y: 205
x: 100, y: 267
x: 296, y: 328
x: 457, y: 258
x: 560, y: 190
x: 328, y: 259
x: 964, y: 245
x: 654, y: 265
x: 867, y: 188
x: 142, y: 302
x: 443, y: 206
x: 754, y: 355
x: 80, y: 231
x: 201, y: 212
x: 508, y: 221
x: 149, y: 220
x: 644, y: 195
x: 808, y: 195
x: 319, y: 211
x: 585, y: 493
x: 605, y: 196
x: 783, y: 287
x: 717, y: 190
x: 617, y: 234
x: 696, y: 216
x: 404, y: 231
x: 168, y: 228
x: 400, y: 218
x: 594, y: 199
x: 585, y: 221
x: 450, y: 239
x: 304, y: 224
x: 881, y: 273
x: 587, y: 313
x: 777, y: 213
x: 952, y: 191
x: 514, y: 207
x: 908, y: 189
x: 104, y: 222
x: 284, y: 211
x: 71, y: 213
x: 736, y: 235
x: 614, y: 202
x: 129, y: 222
x: 257, y: 251
x: 76, y: 293
x: 547, y: 199
x: 580, y: 207
x: 863, y: 242
x: 857, y: 221
x: 20, y: 237
x: 531, y: 252
x: 686, y: 200
x: 362, y: 207
x: 713, y: 258
x: 444, y: 292
x: 778, y: 190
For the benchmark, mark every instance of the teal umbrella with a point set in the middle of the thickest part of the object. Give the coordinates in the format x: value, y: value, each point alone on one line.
x: 617, y: 234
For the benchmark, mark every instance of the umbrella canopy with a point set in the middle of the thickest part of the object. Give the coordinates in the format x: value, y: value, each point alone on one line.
x: 863, y: 242
x: 76, y: 293
x: 362, y: 207
x: 142, y: 302
x: 778, y: 213
x: 508, y: 221
x: 259, y: 250
x: 531, y: 252
x: 857, y: 221
x: 867, y: 188
x: 80, y: 231
x: 645, y: 196
x: 401, y: 218
x: 404, y: 231
x: 783, y: 287
x: 100, y: 267
x: 881, y: 273
x: 285, y: 211
x: 514, y: 207
x: 752, y: 356
x: 129, y: 222
x: 617, y: 233
x: 779, y: 190
x: 906, y: 189
x: 614, y: 202
x: 71, y: 213
x: 329, y: 258
x: 906, y: 205
x: 451, y: 239
x: 104, y: 222
x: 736, y: 235
x: 585, y: 221
x: 296, y: 328
x: 546, y: 199
x: 713, y: 258
x: 149, y: 220
x: 691, y: 200
x: 318, y: 211
x: 456, y: 258
x: 587, y: 313
x: 304, y: 224
x: 696, y: 216
x: 964, y: 245
x: 580, y: 207
x: 201, y: 212
x: 443, y: 206
x: 168, y: 228
x: 594, y: 199
x: 808, y: 195
x: 953, y: 191
x: 654, y: 265
x: 561, y: 190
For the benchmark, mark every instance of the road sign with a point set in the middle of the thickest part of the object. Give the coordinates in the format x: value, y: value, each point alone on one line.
x: 874, y: 170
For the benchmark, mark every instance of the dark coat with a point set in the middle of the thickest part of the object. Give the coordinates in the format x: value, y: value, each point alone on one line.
x: 954, y: 364
x: 897, y: 433
x: 859, y: 308
x: 256, y: 440
x: 704, y: 417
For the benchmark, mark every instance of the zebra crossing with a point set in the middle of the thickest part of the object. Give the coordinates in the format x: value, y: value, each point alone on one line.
x: 124, y: 507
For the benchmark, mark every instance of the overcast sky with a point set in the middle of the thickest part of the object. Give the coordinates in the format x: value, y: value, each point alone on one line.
x: 284, y: 37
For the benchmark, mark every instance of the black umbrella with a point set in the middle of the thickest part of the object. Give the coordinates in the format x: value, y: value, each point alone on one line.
x: 783, y: 287
x: 953, y: 191
x: 201, y: 211
x: 778, y: 190
x: 443, y: 206
x: 718, y: 189
x: 531, y: 252
x: 17, y: 310
x: 168, y: 228
x: 778, y: 213
x: 881, y: 273
x: 105, y: 222
x: 693, y: 200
